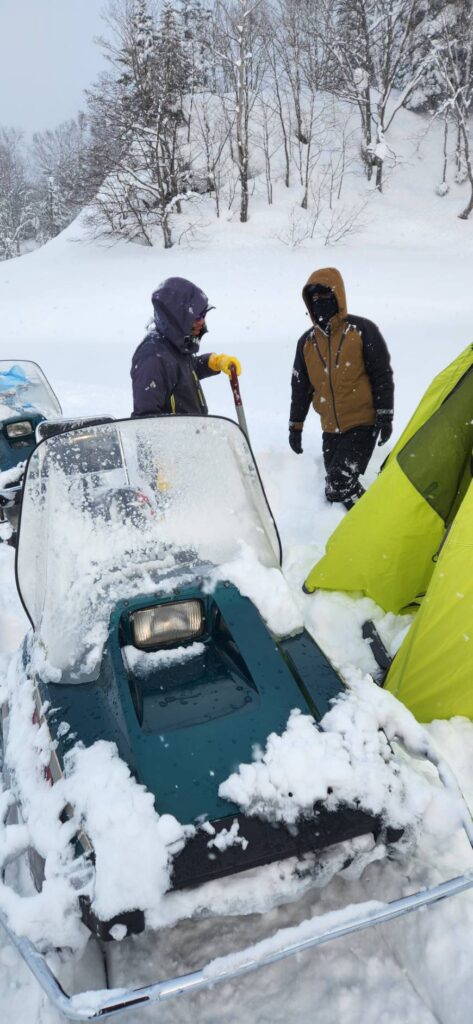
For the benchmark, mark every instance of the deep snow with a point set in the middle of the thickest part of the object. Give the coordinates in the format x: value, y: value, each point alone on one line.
x: 79, y: 309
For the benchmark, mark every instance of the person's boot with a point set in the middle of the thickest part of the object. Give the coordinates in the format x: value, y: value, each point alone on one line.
x: 357, y: 494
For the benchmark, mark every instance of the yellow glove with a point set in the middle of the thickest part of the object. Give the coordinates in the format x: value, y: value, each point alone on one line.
x: 223, y: 362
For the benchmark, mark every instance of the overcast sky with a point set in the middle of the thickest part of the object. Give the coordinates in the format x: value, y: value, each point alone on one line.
x: 47, y: 58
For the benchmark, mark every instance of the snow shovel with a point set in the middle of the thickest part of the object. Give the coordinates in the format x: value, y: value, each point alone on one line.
x: 237, y: 399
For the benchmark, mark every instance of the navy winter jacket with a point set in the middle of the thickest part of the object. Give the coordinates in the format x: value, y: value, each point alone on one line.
x: 165, y: 370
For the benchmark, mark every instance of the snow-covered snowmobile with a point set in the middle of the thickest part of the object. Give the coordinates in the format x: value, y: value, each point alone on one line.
x: 128, y: 533
x: 29, y: 413
x: 26, y: 399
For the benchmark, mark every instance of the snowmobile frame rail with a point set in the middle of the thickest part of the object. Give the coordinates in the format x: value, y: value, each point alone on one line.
x: 316, y: 931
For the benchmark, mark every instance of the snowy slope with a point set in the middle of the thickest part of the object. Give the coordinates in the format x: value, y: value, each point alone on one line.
x: 80, y: 309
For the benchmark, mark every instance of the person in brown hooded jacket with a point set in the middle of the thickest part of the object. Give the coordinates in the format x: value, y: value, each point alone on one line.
x: 342, y: 367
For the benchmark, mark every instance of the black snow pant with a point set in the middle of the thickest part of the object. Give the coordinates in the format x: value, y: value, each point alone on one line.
x: 346, y: 457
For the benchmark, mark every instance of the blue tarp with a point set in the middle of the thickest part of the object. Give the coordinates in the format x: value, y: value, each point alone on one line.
x: 13, y: 378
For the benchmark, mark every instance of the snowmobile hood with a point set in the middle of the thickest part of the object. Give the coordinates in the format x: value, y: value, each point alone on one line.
x: 177, y: 303
x: 329, y: 277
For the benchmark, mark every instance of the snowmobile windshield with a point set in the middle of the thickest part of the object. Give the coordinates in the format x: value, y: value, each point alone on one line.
x: 24, y: 388
x: 129, y: 508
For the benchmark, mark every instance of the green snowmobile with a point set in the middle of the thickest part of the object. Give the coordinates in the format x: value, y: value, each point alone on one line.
x: 127, y: 532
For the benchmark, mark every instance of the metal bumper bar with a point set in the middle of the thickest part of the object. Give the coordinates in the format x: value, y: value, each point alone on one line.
x: 312, y: 932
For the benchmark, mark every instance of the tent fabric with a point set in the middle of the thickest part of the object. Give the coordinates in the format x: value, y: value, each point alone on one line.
x: 436, y: 457
x: 432, y: 672
x: 439, y: 389
x: 386, y: 547
x: 410, y: 539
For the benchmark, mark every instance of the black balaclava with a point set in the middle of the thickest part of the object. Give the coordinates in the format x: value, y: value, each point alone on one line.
x: 323, y: 305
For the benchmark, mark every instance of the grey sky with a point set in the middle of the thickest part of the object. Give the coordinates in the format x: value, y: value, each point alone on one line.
x: 47, y: 58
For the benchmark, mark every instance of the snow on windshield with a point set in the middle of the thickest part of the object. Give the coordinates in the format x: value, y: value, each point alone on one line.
x: 119, y: 509
x: 24, y: 388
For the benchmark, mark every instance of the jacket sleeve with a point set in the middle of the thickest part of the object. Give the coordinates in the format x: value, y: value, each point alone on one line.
x: 378, y: 368
x: 202, y: 368
x: 301, y: 387
x: 154, y: 379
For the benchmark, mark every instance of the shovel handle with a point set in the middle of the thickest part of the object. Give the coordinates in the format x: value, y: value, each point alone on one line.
x: 235, y: 385
x: 237, y: 399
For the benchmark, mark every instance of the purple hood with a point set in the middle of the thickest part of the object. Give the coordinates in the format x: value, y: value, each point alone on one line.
x: 177, y: 303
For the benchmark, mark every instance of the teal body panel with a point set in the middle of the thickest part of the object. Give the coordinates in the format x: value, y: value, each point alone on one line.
x: 17, y: 450
x: 187, y: 728
x: 316, y: 677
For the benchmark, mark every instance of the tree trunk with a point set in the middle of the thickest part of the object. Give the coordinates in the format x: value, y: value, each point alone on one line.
x: 367, y: 153
x: 445, y: 152
x: 379, y: 173
x: 463, y: 129
x: 287, y: 174
x: 460, y: 158
x: 468, y: 208
x: 167, y: 234
x: 243, y: 164
x: 242, y: 134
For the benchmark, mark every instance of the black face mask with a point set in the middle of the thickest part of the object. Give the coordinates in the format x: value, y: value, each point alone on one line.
x: 323, y: 308
x: 191, y: 344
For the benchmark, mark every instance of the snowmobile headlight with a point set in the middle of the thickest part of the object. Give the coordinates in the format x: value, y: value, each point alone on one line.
x: 21, y: 429
x: 167, y: 623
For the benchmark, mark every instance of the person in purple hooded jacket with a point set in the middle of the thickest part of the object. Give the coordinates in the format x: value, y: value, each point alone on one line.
x: 166, y: 370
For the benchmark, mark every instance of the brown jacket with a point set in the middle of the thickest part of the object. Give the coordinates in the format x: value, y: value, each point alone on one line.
x: 346, y: 372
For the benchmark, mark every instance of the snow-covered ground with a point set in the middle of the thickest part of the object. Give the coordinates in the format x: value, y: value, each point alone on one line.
x: 79, y: 309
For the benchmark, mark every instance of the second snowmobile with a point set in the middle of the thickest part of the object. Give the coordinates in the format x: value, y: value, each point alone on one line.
x: 26, y: 399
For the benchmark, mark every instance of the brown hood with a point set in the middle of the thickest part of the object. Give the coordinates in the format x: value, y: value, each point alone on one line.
x: 330, y: 278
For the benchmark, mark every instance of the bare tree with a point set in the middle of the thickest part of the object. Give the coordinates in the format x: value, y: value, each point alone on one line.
x: 17, y: 219
x: 283, y: 112
x: 369, y: 41
x: 454, y: 60
x: 443, y: 187
x: 239, y: 43
x: 211, y: 132
x: 62, y: 187
x: 296, y: 65
x: 268, y: 139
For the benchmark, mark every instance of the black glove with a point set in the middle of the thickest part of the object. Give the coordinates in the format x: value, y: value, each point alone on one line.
x: 384, y: 427
x: 295, y: 440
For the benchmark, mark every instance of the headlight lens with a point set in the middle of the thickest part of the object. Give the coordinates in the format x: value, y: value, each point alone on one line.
x: 167, y: 623
x: 21, y: 429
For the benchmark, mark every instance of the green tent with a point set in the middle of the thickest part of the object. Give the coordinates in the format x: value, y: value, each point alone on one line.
x: 409, y: 540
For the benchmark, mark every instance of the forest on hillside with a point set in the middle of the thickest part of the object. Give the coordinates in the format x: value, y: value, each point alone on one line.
x: 208, y: 102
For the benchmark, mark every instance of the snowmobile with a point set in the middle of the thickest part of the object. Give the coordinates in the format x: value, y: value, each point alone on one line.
x: 29, y: 412
x: 116, y: 549
x: 26, y: 399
